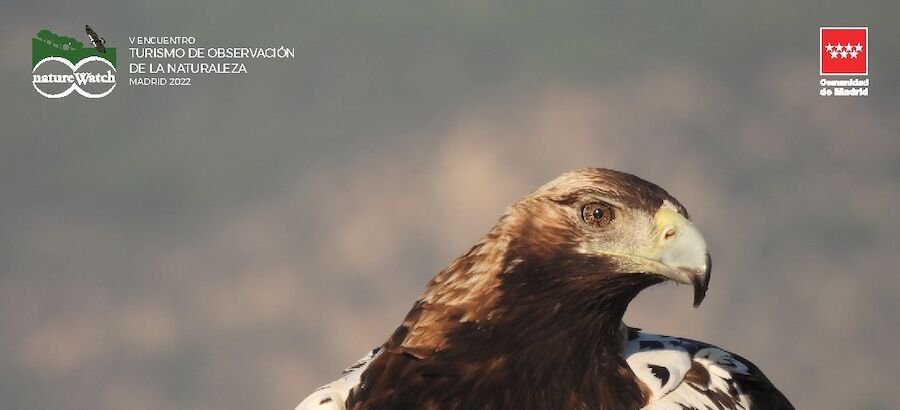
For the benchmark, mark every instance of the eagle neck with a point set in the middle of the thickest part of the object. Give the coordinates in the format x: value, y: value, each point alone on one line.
x: 568, y: 328
x: 584, y: 318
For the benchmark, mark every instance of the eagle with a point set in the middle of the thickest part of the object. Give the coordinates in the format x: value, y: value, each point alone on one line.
x: 95, y: 39
x: 531, y: 316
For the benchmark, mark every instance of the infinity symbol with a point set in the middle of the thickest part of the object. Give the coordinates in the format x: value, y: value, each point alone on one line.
x: 74, y: 86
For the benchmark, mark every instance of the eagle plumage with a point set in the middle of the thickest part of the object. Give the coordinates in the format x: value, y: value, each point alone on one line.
x: 531, y: 316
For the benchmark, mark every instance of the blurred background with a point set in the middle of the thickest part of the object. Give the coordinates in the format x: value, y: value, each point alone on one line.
x: 236, y: 243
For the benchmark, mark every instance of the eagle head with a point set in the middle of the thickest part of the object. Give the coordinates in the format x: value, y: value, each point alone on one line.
x: 596, y: 227
x: 583, y: 244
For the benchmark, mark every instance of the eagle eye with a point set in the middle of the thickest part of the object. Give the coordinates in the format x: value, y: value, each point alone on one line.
x: 597, y: 214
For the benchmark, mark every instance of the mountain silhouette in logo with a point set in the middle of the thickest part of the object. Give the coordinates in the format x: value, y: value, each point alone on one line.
x: 48, y: 44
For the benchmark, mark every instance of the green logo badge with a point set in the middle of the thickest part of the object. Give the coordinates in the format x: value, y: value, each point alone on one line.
x: 61, y: 65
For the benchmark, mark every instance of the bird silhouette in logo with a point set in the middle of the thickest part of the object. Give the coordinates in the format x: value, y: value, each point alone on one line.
x: 96, y: 40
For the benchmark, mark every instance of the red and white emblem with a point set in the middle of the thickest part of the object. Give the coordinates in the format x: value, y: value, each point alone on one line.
x: 843, y: 51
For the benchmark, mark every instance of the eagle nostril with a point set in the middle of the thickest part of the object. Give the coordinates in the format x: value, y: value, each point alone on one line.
x: 669, y: 234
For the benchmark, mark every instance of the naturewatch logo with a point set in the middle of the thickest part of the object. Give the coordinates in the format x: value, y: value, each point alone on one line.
x: 61, y: 65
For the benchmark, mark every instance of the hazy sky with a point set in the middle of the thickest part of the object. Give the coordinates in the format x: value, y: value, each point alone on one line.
x: 236, y: 243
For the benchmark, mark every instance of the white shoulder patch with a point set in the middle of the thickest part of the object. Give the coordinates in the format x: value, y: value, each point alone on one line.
x: 658, y: 363
x: 333, y: 396
x: 662, y: 363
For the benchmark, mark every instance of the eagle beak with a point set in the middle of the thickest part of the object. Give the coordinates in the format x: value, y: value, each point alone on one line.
x: 683, y: 254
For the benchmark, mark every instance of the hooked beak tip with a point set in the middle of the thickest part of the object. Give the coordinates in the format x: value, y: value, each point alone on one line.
x: 699, y: 291
x: 700, y: 282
